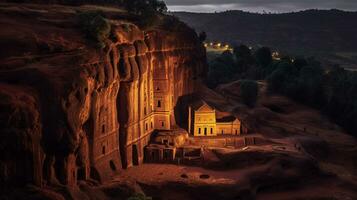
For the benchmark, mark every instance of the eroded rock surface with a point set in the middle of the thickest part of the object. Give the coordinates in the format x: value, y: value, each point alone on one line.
x: 71, y: 111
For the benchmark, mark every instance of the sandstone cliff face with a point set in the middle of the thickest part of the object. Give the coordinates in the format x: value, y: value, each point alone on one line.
x: 69, y: 111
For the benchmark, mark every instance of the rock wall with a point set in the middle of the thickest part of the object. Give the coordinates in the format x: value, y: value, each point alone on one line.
x: 70, y: 111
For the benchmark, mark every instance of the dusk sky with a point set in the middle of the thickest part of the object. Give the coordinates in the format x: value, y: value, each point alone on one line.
x: 258, y: 5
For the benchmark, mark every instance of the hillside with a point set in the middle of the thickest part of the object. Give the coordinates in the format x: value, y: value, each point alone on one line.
x: 310, y: 31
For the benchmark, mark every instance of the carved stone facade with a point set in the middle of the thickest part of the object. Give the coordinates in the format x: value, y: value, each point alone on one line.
x: 93, y: 110
x: 203, y: 122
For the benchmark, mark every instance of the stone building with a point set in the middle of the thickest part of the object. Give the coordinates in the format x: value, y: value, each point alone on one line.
x: 203, y: 121
x: 170, y: 147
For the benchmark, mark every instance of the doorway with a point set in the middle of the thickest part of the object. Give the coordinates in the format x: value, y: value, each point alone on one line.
x: 135, y: 154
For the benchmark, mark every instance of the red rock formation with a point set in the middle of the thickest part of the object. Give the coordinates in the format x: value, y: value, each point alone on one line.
x: 70, y: 111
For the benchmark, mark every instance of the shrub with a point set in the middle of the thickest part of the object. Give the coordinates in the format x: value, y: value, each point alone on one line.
x: 249, y: 92
x: 95, y: 26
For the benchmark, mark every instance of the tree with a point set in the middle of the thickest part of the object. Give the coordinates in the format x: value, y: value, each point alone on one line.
x: 95, y: 26
x: 242, y: 52
x: 142, y: 7
x: 202, y: 36
x: 243, y: 57
x: 263, y: 57
x: 249, y: 92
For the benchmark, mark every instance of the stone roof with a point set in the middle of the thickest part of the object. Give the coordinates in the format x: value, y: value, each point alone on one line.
x: 201, y: 105
x: 227, y: 119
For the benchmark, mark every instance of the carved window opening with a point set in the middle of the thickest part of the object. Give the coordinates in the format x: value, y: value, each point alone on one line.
x: 112, y: 165
x: 211, y: 130
x: 103, y: 128
x: 165, y: 141
x: 162, y: 124
x: 159, y: 104
x: 144, y: 110
x: 103, y: 150
x: 236, y: 132
x: 222, y: 131
x: 151, y: 125
x: 146, y: 126
x: 199, y: 130
x: 205, y: 131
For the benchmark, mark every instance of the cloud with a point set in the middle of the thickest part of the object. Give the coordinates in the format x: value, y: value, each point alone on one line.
x: 258, y: 5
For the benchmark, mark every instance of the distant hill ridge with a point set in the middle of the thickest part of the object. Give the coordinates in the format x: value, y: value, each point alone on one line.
x: 295, y: 32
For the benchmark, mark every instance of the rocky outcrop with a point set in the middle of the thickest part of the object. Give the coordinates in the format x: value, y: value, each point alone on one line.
x: 70, y: 111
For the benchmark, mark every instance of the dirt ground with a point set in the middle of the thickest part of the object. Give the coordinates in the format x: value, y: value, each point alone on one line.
x: 309, y: 158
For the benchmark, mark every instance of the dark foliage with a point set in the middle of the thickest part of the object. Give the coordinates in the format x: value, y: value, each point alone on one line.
x: 95, y: 26
x: 263, y: 57
x: 221, y: 69
x: 249, y: 92
x: 243, y: 57
x: 143, y: 7
x: 301, y: 82
x: 334, y: 92
x: 298, y: 33
x: 240, y: 64
x: 202, y: 36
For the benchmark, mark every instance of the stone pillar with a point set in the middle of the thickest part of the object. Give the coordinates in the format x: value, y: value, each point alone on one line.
x: 189, y: 120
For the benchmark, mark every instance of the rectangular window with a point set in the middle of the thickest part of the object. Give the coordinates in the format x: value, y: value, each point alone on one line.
x: 222, y: 131
x: 199, y: 130
x: 103, y: 128
x: 205, y: 131
x: 103, y: 150
x: 146, y: 126
x: 159, y: 104
x: 211, y: 130
x: 162, y: 124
